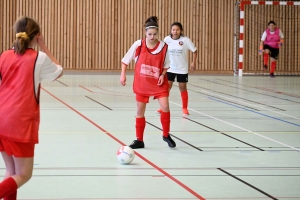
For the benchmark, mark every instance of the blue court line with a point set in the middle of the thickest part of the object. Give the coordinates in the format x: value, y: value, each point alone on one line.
x: 254, y: 112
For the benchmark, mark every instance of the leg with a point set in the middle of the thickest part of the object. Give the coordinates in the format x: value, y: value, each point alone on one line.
x: 182, y: 86
x: 8, y: 187
x: 23, y: 170
x: 182, y: 80
x: 184, y: 95
x: 165, y: 119
x: 170, y: 85
x: 266, y: 58
x: 274, y: 56
x: 165, y: 115
x: 22, y: 174
x: 141, y: 108
x: 273, y: 67
x: 9, y: 165
x: 140, y: 123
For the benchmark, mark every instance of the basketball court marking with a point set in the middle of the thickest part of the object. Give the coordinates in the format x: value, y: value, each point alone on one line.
x: 224, y: 134
x: 256, y: 112
x: 250, y: 104
x: 266, y: 89
x: 255, y: 188
x: 236, y: 126
x: 236, y: 97
x: 136, y: 153
x: 253, y: 91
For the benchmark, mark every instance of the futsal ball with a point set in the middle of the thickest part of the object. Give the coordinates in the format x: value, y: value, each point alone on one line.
x: 125, y: 155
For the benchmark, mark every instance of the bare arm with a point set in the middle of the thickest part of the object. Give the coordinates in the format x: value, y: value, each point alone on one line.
x: 261, y: 47
x: 45, y: 49
x: 123, y: 75
x: 193, y: 64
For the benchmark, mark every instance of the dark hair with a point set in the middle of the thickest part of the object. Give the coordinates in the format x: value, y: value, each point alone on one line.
x: 271, y: 22
x: 30, y: 28
x: 151, y: 21
x: 179, y: 25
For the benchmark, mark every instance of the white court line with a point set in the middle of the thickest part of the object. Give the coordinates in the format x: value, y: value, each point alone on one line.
x: 250, y: 104
x: 283, y: 144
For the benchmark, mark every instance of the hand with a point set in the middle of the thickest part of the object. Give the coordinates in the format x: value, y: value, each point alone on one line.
x: 123, y: 79
x: 40, y: 40
x: 280, y: 44
x: 260, y: 51
x: 161, y: 79
x: 192, y: 67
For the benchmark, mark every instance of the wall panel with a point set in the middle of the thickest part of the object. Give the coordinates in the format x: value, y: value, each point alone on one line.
x: 95, y: 34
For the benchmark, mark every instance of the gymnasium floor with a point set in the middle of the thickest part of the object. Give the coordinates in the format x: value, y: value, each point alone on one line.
x: 240, y: 141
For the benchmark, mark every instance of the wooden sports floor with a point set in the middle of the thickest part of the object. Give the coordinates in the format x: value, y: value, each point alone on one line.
x: 240, y: 141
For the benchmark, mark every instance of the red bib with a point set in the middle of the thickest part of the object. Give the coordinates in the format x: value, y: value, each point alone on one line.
x: 148, y: 69
x: 19, y: 105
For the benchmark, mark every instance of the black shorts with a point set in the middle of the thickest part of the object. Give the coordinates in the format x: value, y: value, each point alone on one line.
x: 273, y: 51
x: 181, y: 78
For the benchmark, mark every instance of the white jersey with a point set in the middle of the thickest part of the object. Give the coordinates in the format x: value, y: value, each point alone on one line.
x: 178, y: 53
x: 45, y: 69
x: 133, y: 53
x: 264, y: 35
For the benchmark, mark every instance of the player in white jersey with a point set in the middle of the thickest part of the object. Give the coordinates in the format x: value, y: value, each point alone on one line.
x: 179, y: 46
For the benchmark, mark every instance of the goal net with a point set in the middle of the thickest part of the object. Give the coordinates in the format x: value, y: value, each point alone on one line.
x: 251, y: 21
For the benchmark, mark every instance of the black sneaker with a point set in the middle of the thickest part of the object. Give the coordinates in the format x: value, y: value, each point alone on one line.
x: 265, y: 67
x: 272, y: 75
x: 136, y: 144
x: 170, y: 141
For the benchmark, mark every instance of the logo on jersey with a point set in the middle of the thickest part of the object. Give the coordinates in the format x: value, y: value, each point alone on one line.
x: 149, y: 71
x: 180, y: 43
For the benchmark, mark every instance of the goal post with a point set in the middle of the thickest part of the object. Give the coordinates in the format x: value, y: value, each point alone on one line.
x: 253, y: 19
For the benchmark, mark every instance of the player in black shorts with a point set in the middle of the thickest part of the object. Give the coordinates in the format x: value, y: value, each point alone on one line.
x: 271, y: 41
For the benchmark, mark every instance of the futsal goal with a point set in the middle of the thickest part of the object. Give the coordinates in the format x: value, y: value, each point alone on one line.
x: 251, y: 20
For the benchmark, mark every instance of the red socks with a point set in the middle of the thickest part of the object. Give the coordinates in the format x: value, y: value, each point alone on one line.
x: 12, y: 196
x: 184, y: 97
x: 7, y: 188
x: 140, y: 124
x: 266, y: 58
x: 273, y: 67
x: 165, y: 119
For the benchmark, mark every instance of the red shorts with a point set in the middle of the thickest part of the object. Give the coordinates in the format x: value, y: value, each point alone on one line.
x: 17, y: 149
x: 145, y: 99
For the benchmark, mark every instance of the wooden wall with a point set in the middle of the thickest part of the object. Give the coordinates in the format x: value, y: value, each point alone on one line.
x: 95, y: 34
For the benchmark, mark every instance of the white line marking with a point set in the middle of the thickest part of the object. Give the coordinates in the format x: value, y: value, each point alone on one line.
x: 270, y: 139
x: 249, y: 104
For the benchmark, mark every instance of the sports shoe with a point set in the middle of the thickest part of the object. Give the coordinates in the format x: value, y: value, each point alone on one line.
x: 159, y: 111
x: 136, y: 144
x: 185, y: 111
x: 272, y: 75
x: 170, y: 141
x: 265, y: 67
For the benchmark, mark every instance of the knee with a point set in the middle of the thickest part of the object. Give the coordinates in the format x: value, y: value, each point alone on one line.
x: 165, y: 107
x: 266, y: 51
x: 9, y: 173
x: 182, y: 87
x: 140, y: 113
x: 25, y: 176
